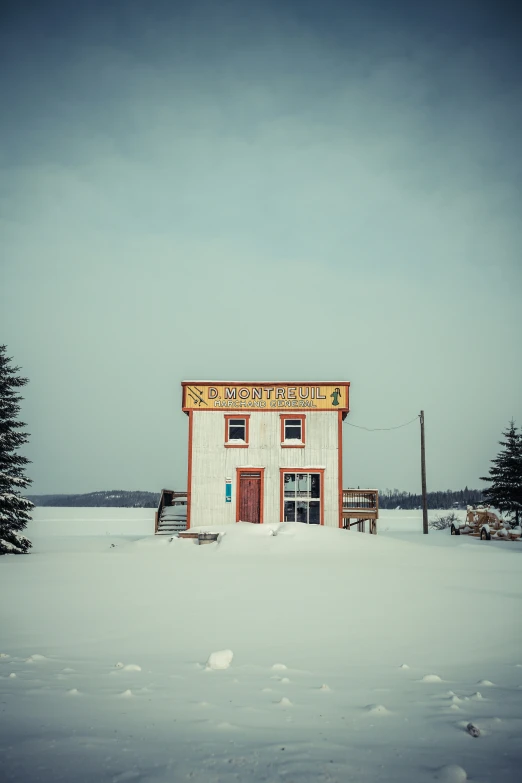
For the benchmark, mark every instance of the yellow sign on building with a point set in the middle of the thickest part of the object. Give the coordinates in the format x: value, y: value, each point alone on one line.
x: 265, y: 396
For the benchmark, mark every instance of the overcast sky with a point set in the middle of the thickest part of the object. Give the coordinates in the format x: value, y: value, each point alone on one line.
x: 268, y: 190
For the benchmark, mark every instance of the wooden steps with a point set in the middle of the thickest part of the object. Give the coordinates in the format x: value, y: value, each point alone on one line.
x: 171, y: 516
x: 170, y: 524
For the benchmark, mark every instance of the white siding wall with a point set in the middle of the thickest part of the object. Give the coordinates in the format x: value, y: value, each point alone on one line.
x: 212, y: 463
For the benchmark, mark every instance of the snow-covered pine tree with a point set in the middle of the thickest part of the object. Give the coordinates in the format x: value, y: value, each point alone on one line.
x: 505, y: 476
x: 14, y: 508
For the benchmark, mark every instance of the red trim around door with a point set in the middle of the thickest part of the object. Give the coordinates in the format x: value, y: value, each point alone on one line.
x: 262, y: 490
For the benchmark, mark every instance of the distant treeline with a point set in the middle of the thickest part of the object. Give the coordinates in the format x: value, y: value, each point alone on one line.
x: 117, y: 498
x: 391, y: 498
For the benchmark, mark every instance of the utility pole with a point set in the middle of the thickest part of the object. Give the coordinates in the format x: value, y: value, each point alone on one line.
x: 423, y: 473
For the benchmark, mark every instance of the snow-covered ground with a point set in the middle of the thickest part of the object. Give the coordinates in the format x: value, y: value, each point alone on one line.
x: 355, y: 657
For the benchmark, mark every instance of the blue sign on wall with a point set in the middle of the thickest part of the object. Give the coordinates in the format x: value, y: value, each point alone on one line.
x: 228, y: 491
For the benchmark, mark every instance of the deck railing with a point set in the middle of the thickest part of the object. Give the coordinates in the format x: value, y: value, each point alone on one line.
x: 361, y: 500
x: 360, y: 505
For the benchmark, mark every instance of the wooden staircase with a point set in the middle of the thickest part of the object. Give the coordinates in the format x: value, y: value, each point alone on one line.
x: 171, y: 516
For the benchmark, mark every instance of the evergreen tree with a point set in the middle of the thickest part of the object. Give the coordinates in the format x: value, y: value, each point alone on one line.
x: 14, y: 509
x: 505, y: 476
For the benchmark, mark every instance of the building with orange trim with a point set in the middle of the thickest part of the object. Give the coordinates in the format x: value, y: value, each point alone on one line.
x: 265, y: 452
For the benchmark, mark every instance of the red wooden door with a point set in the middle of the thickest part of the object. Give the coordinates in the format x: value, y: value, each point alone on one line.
x: 250, y: 497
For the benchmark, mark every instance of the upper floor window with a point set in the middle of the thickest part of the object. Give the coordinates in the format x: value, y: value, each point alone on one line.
x: 236, y: 431
x: 293, y: 430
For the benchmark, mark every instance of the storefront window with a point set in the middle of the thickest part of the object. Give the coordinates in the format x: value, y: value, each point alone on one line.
x: 302, y: 498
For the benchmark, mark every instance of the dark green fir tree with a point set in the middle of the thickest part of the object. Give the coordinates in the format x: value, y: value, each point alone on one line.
x: 15, y: 510
x: 505, y: 476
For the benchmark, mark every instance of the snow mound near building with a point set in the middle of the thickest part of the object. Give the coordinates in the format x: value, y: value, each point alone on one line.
x: 220, y: 659
x: 377, y: 709
x: 431, y: 678
x: 452, y: 773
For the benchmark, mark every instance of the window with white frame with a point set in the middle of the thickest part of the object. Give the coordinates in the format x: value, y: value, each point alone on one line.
x: 293, y: 429
x: 236, y: 430
x: 302, y: 497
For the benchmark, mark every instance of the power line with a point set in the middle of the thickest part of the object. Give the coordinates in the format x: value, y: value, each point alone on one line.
x: 382, y: 429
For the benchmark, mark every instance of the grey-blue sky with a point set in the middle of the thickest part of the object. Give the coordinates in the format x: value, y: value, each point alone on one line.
x: 261, y: 191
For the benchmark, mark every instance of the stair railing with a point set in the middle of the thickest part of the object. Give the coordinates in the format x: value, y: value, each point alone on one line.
x: 165, y: 500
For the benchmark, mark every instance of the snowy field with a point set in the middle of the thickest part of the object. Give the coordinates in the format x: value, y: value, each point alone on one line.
x: 355, y: 657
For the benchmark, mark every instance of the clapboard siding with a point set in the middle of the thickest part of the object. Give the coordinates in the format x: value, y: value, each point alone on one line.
x: 212, y: 463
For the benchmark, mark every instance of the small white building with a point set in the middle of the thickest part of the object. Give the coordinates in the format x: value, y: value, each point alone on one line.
x: 269, y: 452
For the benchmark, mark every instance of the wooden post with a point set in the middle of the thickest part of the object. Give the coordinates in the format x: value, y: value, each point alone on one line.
x: 423, y: 475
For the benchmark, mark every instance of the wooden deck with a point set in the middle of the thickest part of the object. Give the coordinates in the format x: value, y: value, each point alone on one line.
x: 360, y: 505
